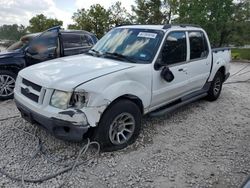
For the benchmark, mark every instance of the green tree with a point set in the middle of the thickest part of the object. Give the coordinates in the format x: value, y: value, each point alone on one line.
x: 12, y: 32
x: 41, y: 23
x: 95, y: 19
x: 169, y: 10
x: 119, y: 15
x: 221, y: 19
x: 99, y: 19
x: 154, y: 11
x: 140, y: 10
x: 241, y: 23
x: 81, y: 19
x: 155, y: 15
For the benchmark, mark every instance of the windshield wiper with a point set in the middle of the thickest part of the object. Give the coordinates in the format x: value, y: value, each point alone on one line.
x: 95, y: 51
x: 119, y: 56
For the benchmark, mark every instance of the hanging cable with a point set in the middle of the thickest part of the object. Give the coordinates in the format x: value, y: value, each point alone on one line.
x: 70, y: 166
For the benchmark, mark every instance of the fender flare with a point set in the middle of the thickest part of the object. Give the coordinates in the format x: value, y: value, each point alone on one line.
x: 216, y: 67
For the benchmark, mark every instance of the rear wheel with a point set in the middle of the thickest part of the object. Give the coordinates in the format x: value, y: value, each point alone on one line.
x: 7, y: 84
x: 119, y: 126
x: 215, y: 88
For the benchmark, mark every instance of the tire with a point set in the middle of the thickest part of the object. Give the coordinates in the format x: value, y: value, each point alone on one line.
x: 7, y: 84
x: 215, y: 88
x: 108, y: 132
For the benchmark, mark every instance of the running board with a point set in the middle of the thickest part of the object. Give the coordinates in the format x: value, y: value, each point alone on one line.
x: 178, y: 105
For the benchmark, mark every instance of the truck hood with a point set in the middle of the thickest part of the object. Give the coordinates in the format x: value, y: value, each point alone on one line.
x: 69, y: 72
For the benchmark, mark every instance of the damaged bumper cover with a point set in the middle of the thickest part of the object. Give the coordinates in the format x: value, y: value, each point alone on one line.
x: 69, y: 125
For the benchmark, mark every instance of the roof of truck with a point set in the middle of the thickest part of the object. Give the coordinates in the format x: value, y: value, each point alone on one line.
x: 76, y: 31
x: 162, y: 27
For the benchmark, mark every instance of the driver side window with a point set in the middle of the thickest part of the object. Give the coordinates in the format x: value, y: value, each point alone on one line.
x: 175, y: 48
x: 44, y: 47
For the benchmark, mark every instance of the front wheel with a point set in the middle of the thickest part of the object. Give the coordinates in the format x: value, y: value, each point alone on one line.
x: 7, y: 84
x: 215, y: 88
x: 119, y: 126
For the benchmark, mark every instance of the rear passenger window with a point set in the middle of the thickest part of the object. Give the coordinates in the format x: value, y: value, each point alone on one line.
x: 175, y: 48
x: 75, y: 40
x: 87, y: 40
x: 198, y: 45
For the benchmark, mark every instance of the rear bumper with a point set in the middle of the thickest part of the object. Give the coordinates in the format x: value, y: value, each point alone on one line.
x: 62, y: 129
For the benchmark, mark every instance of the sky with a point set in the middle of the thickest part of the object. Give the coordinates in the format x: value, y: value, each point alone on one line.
x: 21, y: 11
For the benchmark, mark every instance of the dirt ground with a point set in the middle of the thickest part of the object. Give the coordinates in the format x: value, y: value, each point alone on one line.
x: 204, y: 144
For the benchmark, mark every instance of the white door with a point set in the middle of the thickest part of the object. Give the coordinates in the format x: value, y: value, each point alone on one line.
x: 174, y: 56
x: 199, y: 60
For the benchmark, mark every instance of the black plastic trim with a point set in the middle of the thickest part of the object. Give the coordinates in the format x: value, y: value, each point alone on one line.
x: 168, y: 26
x: 31, y: 84
x: 176, y: 105
x: 61, y: 129
x: 31, y: 96
x: 182, y: 101
x: 226, y: 76
x: 215, y: 50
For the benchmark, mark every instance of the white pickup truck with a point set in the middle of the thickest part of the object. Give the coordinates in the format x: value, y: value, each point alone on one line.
x: 132, y: 71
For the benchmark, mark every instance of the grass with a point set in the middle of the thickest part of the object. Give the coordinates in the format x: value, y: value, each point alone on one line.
x: 241, y: 53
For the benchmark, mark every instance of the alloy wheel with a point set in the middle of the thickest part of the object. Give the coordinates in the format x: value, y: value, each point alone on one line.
x: 217, y: 86
x: 122, y: 128
x: 7, y: 85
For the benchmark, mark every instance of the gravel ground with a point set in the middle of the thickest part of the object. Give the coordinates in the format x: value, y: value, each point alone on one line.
x: 205, y: 144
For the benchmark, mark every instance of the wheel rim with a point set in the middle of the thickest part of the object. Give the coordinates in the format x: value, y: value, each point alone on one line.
x: 122, y: 128
x: 7, y: 84
x: 217, y: 86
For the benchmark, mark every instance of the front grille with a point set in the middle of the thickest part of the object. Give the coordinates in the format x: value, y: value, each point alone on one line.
x: 33, y: 85
x: 32, y: 91
x: 29, y: 95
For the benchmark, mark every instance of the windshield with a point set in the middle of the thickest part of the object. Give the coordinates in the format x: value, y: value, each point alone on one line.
x: 24, y: 41
x: 17, y: 45
x: 138, y: 45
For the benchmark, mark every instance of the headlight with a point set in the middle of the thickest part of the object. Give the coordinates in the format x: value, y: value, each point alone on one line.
x: 79, y: 99
x: 60, y: 99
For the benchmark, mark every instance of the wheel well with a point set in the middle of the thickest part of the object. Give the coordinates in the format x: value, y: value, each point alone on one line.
x: 134, y: 99
x: 223, y: 72
x: 11, y: 69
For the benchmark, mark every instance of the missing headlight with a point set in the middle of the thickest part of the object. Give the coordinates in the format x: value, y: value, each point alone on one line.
x: 78, y: 100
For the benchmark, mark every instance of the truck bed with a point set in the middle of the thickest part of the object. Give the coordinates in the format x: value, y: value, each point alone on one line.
x: 220, y: 56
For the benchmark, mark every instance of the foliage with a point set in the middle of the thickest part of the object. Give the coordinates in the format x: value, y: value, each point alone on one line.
x: 225, y: 20
x: 12, y: 32
x: 218, y: 18
x: 241, y: 21
x: 241, y: 53
x: 94, y: 20
x: 98, y: 20
x: 154, y: 11
x: 118, y: 15
x: 41, y: 23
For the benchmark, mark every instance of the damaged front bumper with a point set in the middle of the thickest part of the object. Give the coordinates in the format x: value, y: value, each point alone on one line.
x: 68, y: 125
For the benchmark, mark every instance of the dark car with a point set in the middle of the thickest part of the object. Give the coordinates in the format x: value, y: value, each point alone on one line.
x: 39, y: 47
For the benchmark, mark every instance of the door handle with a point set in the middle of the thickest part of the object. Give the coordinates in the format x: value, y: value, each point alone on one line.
x: 183, y: 70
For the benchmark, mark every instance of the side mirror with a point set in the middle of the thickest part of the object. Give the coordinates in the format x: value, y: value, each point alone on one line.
x: 167, y: 74
x: 162, y: 60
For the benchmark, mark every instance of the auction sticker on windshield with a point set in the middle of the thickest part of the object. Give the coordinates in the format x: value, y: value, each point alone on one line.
x: 147, y: 35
